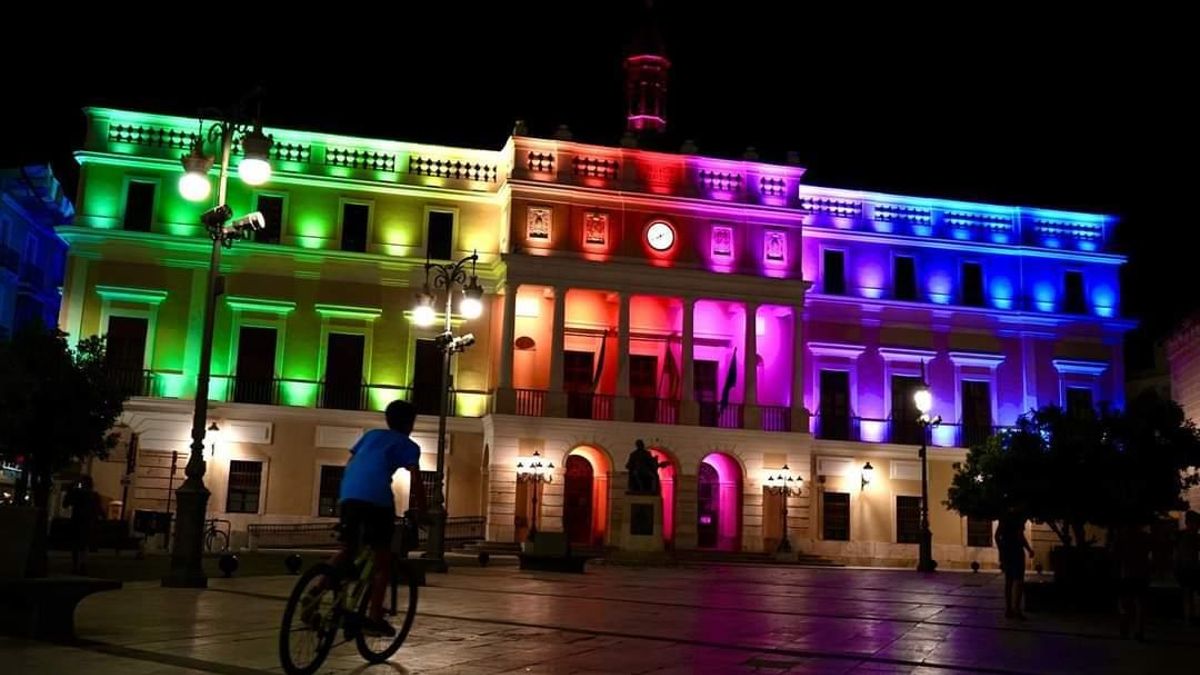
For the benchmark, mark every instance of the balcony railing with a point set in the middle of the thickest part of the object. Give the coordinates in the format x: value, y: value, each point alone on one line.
x: 530, y: 402
x: 132, y: 381
x: 348, y: 395
x: 588, y: 406
x: 775, y: 418
x: 729, y: 416
x: 836, y: 427
x: 655, y: 410
x: 877, y: 430
x: 292, y: 392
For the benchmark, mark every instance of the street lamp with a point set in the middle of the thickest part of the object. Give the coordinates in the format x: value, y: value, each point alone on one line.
x: 445, y: 276
x: 186, y: 570
x: 784, y: 484
x: 923, y: 399
x: 533, y: 471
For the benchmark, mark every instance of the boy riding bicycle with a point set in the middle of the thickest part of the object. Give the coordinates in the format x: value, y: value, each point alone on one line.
x: 368, y: 515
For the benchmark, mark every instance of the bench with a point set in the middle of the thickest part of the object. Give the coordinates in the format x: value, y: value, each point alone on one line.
x: 551, y: 552
x: 44, y: 608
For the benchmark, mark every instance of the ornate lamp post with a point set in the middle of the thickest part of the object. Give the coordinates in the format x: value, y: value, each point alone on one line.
x: 445, y: 277
x: 533, y: 471
x: 254, y: 169
x: 785, y: 484
x: 924, y: 403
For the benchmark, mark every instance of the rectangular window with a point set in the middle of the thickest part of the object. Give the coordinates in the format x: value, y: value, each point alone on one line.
x: 354, y: 227
x: 125, y: 353
x: 835, y: 273
x: 1079, y: 401
x: 330, y: 491
x: 255, y: 381
x: 1073, y: 301
x: 837, y: 516
x: 139, y: 206
x: 245, y: 483
x: 906, y: 428
x: 976, y: 413
x: 979, y: 532
x: 440, y: 245
x: 904, y: 277
x: 972, y: 284
x: 834, y: 405
x: 908, y: 520
x: 271, y: 207
x: 343, y: 387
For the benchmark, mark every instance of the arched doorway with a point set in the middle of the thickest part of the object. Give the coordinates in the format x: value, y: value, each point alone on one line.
x: 577, y: 500
x: 585, y: 496
x: 666, y: 480
x: 719, y: 503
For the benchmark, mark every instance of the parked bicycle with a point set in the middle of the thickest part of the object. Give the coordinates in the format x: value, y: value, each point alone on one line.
x: 216, y: 535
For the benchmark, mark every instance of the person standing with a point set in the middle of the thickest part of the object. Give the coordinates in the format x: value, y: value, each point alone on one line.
x: 84, y: 503
x: 1012, y: 545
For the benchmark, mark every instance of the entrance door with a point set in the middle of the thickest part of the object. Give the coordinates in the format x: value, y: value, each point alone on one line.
x: 577, y: 501
x: 427, y: 377
x: 255, y: 366
x: 708, y: 506
x: 577, y: 381
x: 643, y: 371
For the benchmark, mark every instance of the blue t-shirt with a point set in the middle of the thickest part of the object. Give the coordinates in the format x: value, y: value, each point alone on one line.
x: 373, y: 460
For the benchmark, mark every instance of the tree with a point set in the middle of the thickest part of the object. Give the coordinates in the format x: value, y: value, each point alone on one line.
x: 57, y: 406
x: 1069, y: 470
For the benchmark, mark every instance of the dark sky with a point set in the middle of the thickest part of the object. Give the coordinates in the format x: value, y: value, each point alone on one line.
x: 1082, y: 111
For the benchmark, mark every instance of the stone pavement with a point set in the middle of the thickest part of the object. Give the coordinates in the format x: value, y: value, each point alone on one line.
x: 721, y: 619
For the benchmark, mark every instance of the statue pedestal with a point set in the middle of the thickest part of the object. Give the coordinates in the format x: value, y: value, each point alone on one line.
x: 642, y: 529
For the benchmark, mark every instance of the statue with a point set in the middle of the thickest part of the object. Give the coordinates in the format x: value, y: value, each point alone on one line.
x: 643, y: 471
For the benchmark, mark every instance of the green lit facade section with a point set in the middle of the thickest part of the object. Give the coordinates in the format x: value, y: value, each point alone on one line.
x: 305, y: 286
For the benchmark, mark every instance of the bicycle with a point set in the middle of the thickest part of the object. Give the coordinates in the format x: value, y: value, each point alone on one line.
x: 327, y: 600
x: 216, y: 539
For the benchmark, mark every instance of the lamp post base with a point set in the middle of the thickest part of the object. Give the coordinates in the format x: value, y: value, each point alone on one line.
x: 925, y: 561
x: 187, y: 567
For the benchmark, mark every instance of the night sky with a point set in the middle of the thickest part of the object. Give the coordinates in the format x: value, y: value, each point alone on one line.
x: 1079, y: 111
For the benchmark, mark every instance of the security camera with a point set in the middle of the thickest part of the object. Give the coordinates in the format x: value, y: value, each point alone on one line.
x: 460, y: 344
x: 251, y: 222
x: 216, y: 216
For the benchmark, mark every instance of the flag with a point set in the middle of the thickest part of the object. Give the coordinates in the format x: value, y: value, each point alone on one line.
x: 600, y: 363
x: 671, y: 373
x: 730, y: 380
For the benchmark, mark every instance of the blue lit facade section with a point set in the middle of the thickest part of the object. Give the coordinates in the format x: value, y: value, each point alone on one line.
x: 1001, y: 292
x: 32, y: 255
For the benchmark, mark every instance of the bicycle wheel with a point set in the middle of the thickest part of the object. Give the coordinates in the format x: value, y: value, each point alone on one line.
x: 399, y: 609
x: 216, y: 541
x: 307, y: 632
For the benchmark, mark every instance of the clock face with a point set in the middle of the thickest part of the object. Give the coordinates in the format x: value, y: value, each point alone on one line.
x: 660, y: 235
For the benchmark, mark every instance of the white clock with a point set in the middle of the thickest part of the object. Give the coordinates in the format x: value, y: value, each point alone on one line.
x: 660, y: 235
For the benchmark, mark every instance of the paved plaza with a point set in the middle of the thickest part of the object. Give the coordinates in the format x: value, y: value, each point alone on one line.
x: 719, y: 619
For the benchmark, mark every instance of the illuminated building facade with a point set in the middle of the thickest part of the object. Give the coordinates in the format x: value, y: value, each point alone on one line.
x: 735, y: 318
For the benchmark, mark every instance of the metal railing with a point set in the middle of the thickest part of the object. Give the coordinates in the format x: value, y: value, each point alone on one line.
x: 588, y: 406
x: 530, y: 402
x: 775, y: 418
x: 285, y: 391
x: 728, y: 416
x: 655, y: 410
x: 348, y: 395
